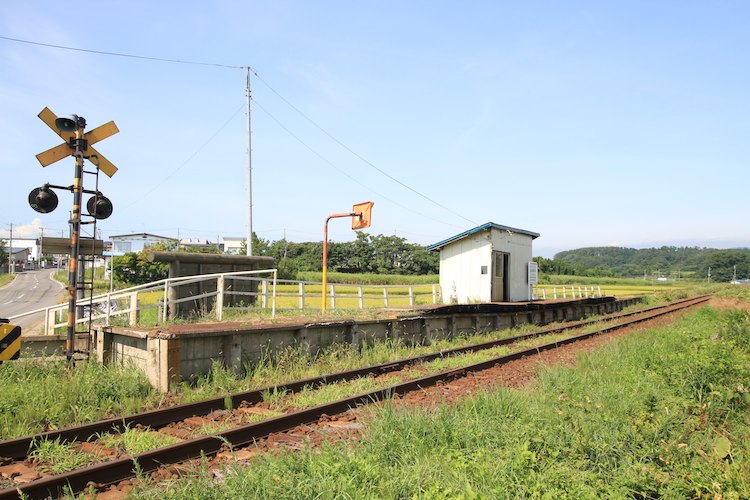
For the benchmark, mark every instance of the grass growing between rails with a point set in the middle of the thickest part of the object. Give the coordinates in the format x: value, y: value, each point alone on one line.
x: 659, y: 414
x: 42, y: 395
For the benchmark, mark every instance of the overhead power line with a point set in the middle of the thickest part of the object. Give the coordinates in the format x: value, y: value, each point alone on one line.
x: 343, y: 172
x: 300, y: 112
x: 120, y: 54
x: 358, y: 155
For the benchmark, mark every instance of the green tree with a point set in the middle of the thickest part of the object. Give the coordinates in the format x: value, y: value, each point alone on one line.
x: 260, y: 246
x: 135, y: 268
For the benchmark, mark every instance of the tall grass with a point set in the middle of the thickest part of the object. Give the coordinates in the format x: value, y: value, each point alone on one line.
x: 660, y: 414
x: 40, y: 395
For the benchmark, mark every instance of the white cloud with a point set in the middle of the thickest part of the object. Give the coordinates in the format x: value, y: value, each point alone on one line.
x: 23, y: 231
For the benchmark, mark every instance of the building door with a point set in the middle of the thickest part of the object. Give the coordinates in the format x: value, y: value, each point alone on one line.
x: 499, y: 276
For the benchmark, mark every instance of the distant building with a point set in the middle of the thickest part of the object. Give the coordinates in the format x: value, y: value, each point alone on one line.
x: 124, y: 243
x: 32, y: 244
x: 232, y: 244
x: 488, y: 263
x: 20, y: 259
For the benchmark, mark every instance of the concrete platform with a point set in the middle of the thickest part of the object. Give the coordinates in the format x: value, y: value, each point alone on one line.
x: 171, y: 354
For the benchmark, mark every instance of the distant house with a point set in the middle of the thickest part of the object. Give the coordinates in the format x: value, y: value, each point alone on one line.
x: 488, y: 263
x: 32, y: 244
x: 124, y: 243
x: 232, y: 244
x: 20, y: 259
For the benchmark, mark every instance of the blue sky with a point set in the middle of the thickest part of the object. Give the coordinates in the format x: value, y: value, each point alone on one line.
x: 592, y: 123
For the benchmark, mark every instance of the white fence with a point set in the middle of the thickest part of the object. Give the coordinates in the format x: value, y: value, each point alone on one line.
x: 554, y: 292
x: 307, y: 295
x: 131, y: 305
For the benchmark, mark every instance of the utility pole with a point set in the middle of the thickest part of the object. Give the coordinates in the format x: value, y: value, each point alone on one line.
x: 41, y: 249
x: 249, y: 245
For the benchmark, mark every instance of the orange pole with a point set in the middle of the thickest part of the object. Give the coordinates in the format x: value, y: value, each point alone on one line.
x: 324, y: 295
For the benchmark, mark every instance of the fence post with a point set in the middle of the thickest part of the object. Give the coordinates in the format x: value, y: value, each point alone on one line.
x: 600, y: 291
x: 263, y: 293
x: 219, y: 298
x: 273, y: 294
x: 385, y: 296
x: 434, y: 294
x: 411, y: 296
x: 333, y: 297
x: 166, y: 300
x: 301, y: 294
x: 544, y: 293
x: 554, y: 292
x: 134, y: 309
x: 109, y: 307
x: 49, y: 322
x: 580, y: 294
x: 361, y: 298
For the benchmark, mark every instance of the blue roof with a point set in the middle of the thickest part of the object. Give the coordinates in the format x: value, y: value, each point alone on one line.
x: 479, y: 229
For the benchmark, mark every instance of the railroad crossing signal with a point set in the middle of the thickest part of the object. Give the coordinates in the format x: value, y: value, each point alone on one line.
x: 10, y: 341
x: 67, y: 148
x: 78, y: 144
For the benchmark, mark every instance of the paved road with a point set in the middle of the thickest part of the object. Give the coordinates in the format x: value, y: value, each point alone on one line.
x: 29, y: 291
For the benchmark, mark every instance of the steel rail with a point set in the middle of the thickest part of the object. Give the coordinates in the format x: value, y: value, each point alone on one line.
x: 117, y: 470
x: 19, y: 448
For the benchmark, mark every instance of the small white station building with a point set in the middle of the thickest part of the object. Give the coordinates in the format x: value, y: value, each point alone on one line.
x: 489, y: 263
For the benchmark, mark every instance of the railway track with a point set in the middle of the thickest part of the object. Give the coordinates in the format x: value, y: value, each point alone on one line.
x: 120, y: 468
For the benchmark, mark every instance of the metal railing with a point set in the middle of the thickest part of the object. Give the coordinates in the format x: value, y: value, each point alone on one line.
x: 131, y: 305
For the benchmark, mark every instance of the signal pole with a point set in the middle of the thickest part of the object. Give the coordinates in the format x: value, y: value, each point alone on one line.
x: 43, y: 200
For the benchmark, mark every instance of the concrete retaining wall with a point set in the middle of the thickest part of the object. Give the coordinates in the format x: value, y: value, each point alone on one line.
x: 184, y: 351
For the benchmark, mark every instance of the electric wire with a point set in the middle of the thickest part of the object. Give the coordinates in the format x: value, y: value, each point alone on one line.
x: 343, y: 172
x: 120, y: 54
x: 286, y: 101
x: 188, y: 160
x: 330, y: 136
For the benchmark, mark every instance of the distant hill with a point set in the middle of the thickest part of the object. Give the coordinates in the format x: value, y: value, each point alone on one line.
x: 664, y: 261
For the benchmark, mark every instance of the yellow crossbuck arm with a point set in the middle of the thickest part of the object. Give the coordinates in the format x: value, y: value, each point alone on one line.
x: 57, y: 153
x: 49, y: 118
x: 65, y: 149
x: 101, y: 162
